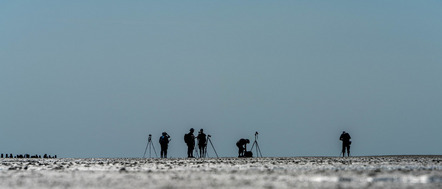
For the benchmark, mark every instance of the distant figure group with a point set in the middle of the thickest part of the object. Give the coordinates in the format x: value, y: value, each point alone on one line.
x: 26, y: 156
x: 202, y: 139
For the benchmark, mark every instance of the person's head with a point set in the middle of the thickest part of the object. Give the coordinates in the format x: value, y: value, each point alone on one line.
x: 191, y: 130
x: 247, y: 141
x: 164, y: 133
x: 343, y: 132
x: 201, y: 130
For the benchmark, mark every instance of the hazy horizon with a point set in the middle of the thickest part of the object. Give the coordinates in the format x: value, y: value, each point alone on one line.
x: 93, y: 79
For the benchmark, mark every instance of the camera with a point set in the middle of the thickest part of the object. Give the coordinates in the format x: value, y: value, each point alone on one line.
x: 209, y: 135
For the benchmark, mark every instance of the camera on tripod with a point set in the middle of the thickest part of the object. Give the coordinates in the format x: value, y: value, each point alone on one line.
x: 257, y: 148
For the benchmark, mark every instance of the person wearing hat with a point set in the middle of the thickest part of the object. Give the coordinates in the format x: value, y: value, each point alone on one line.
x: 242, y: 146
x: 164, y: 142
x: 189, y: 139
x: 202, y: 143
x: 345, y: 138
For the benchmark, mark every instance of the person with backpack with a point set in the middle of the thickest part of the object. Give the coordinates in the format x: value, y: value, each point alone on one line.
x: 202, y: 143
x: 345, y: 138
x: 164, y: 142
x: 242, y: 146
x: 189, y: 139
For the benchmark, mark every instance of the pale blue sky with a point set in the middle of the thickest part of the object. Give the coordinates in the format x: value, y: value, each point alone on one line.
x: 93, y: 79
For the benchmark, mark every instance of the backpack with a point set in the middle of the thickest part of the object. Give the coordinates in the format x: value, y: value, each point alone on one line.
x: 186, y: 138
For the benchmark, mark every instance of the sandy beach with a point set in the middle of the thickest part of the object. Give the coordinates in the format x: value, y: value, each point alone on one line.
x: 293, y: 172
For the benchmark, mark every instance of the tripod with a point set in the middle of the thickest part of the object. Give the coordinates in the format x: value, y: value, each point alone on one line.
x: 150, y: 145
x: 208, y: 139
x: 257, y: 146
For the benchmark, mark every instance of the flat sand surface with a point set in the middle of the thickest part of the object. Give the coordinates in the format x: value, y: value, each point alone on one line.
x: 292, y: 172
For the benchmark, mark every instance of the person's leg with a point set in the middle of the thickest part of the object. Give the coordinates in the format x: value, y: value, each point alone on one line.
x: 239, y: 151
x: 348, y: 150
x: 188, y: 151
x: 191, y: 148
x: 343, y: 150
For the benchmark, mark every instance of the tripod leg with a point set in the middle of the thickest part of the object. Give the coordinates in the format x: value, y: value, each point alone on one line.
x: 252, y: 146
x: 145, y: 149
x: 213, y: 148
x: 156, y: 155
x: 258, y: 150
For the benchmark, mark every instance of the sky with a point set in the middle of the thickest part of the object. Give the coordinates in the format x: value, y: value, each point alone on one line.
x: 92, y: 79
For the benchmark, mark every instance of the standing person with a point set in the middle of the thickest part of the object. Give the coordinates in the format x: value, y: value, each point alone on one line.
x: 345, y: 138
x: 202, y: 142
x: 242, y: 146
x: 189, y: 138
x: 164, y: 142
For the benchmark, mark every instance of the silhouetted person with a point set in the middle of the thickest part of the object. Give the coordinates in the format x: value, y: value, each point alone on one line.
x: 189, y: 138
x: 345, y: 137
x: 45, y: 156
x: 10, y: 156
x: 164, y: 142
x: 242, y: 146
x: 2, y: 156
x: 202, y: 143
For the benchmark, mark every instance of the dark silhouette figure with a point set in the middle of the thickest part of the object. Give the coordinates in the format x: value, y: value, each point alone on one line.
x: 202, y: 143
x: 2, y: 156
x: 10, y: 156
x: 242, y: 146
x: 189, y: 138
x: 164, y: 142
x: 345, y: 138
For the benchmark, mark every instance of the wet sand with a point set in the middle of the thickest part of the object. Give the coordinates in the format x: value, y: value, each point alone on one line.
x: 293, y: 172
